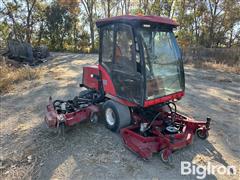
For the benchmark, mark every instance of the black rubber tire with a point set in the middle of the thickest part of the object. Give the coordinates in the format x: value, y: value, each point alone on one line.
x: 202, y: 135
x: 121, y: 113
x: 166, y: 160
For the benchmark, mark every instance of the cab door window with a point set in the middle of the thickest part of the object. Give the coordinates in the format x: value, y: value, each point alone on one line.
x: 127, y: 81
x: 124, y: 53
x: 107, y: 46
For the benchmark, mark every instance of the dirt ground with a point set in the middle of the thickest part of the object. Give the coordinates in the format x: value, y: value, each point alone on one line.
x: 29, y: 150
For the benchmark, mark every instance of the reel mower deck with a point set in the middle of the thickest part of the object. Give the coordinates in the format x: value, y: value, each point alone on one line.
x: 164, y: 137
x: 67, y: 113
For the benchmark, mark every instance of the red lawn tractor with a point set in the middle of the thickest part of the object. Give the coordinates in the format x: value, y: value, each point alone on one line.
x: 139, y: 78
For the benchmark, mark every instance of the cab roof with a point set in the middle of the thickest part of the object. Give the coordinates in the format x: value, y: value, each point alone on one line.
x: 137, y: 19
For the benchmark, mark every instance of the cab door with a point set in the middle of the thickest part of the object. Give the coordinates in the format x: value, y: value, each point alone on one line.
x: 125, y: 74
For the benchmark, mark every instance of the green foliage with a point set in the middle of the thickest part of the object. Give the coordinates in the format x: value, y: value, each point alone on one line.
x: 4, y: 31
x: 70, y: 25
x: 58, y: 24
x: 137, y: 11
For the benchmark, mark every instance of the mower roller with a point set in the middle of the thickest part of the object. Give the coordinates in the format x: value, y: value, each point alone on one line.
x: 138, y: 80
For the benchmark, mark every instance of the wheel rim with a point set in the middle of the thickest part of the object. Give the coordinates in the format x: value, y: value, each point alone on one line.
x: 110, y: 117
x: 200, y: 133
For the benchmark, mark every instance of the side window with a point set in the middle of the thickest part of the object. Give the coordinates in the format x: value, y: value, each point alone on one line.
x: 138, y: 61
x: 107, y: 46
x: 124, y: 48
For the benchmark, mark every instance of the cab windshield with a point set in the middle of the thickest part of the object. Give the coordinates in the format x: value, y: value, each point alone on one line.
x: 163, y: 64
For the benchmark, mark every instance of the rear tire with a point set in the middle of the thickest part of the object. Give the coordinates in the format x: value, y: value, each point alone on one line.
x: 116, y: 115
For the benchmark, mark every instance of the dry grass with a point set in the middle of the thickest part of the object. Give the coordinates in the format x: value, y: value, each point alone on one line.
x: 12, y: 75
x: 216, y: 66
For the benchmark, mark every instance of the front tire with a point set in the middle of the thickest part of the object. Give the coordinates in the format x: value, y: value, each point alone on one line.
x: 166, y: 156
x: 117, y: 116
x: 202, y: 134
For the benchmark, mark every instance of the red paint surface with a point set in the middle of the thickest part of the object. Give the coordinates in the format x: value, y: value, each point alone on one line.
x: 51, y: 116
x: 88, y: 80
x: 107, y: 82
x: 177, y: 96
x: 146, y: 146
x: 151, y: 19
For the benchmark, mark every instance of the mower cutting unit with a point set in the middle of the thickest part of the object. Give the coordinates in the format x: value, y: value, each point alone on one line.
x: 139, y: 78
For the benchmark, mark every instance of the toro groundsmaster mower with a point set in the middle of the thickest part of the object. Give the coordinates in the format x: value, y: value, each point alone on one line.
x: 139, y: 78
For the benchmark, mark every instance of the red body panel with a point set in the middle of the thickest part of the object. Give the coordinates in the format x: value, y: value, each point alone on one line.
x: 167, y: 98
x: 146, y: 146
x: 88, y: 80
x: 81, y: 115
x: 52, y: 119
x: 107, y: 82
x: 129, y: 18
x: 76, y: 117
x: 110, y: 91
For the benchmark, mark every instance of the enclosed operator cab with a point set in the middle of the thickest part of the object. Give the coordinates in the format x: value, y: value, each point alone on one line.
x: 142, y: 58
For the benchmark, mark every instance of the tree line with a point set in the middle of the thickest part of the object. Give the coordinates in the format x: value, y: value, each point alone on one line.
x: 70, y: 24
